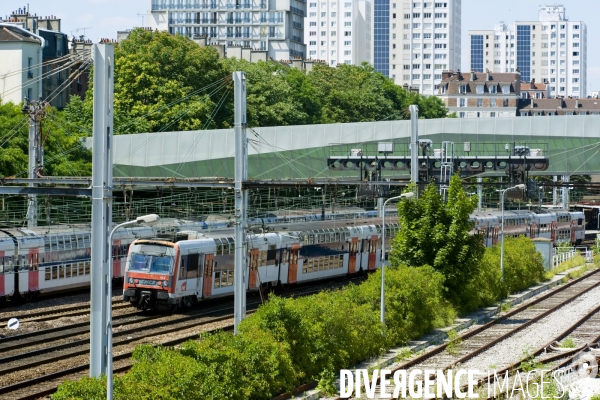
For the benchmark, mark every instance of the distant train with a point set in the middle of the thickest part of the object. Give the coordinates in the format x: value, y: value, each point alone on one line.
x: 166, y: 275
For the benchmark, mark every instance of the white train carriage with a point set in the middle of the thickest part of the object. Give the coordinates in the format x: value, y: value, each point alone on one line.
x: 577, y: 227
x: 7, y: 272
x: 27, y: 246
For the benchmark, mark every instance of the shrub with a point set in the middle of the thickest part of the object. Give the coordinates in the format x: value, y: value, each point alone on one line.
x: 84, y: 389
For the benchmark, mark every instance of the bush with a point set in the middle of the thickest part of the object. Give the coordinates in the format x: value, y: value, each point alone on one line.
x: 84, y: 389
x: 523, y: 267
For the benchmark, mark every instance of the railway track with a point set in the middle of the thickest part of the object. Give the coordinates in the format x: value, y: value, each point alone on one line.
x: 49, y: 315
x: 25, y: 356
x: 478, y: 340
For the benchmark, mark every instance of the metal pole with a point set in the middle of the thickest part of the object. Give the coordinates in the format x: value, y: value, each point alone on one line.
x: 103, y: 55
x: 33, y: 127
x: 502, y: 235
x: 380, y: 212
x: 479, y: 194
x: 414, y: 143
x: 382, y: 307
x: 241, y: 197
x: 565, y: 193
x: 554, y: 192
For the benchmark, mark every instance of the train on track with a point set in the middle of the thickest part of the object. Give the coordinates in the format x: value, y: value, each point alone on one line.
x: 294, y: 246
x: 163, y: 274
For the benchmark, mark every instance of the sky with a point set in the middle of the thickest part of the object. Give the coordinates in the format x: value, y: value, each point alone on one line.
x: 103, y: 18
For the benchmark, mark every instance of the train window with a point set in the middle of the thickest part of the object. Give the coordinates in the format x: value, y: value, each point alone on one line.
x: 231, y: 245
x: 230, y: 278
x: 74, y: 270
x: 580, y: 221
x: 47, y: 274
x: 183, y: 266
x: 271, y: 254
x: 55, y: 272
x: 68, y: 271
x: 192, y: 270
x: 217, y: 283
x: 87, y: 267
x: 219, y: 246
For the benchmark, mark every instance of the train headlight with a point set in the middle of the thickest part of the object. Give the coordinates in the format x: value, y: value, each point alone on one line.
x: 131, y: 281
x: 159, y: 283
x: 166, y: 283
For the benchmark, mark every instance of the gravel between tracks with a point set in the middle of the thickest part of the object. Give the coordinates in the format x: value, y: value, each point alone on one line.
x: 512, y: 350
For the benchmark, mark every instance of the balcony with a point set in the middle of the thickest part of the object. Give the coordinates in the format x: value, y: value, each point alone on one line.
x: 271, y: 20
x: 298, y: 11
x: 297, y: 25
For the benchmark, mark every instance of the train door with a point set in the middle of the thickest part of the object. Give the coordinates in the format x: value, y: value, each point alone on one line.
x: 3, y: 270
x: 33, y: 270
x: 532, y: 230
x: 293, y: 267
x: 495, y: 236
x: 116, y: 259
x: 553, y: 232
x: 254, y: 257
x: 352, y: 255
x: 373, y: 252
x: 208, y: 275
x: 573, y: 228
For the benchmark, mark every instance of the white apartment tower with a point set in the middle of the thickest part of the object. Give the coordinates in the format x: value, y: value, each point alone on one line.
x: 493, y: 50
x: 425, y: 41
x: 276, y: 26
x: 338, y: 31
x: 553, y: 50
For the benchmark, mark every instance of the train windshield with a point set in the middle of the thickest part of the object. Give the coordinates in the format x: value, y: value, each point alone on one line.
x: 151, y: 264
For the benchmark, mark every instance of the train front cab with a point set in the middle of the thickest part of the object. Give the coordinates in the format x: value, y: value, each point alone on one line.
x: 150, y: 276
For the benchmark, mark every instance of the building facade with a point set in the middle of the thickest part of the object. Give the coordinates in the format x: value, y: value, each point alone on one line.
x: 21, y: 66
x: 339, y: 32
x: 552, y: 50
x: 492, y: 50
x: 480, y: 94
x: 276, y: 26
x: 559, y: 106
x: 425, y: 41
x: 55, y: 71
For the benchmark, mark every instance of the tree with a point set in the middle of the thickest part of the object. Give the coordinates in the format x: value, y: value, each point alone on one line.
x: 438, y: 234
x: 64, y: 152
x: 163, y: 82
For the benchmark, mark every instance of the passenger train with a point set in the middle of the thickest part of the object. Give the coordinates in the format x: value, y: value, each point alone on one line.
x: 166, y: 275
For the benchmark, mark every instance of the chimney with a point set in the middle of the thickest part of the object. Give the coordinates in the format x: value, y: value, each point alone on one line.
x: 472, y: 76
x: 532, y: 103
x: 577, y: 103
x: 487, y: 76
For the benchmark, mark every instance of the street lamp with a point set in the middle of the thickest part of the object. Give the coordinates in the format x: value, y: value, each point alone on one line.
x: 502, y: 191
x: 146, y: 219
x: 407, y: 195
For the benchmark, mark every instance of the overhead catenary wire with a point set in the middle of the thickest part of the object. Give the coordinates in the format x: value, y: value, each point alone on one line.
x: 41, y: 77
x: 35, y: 66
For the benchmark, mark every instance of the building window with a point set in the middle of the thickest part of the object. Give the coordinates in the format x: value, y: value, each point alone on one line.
x: 347, y: 33
x: 462, y: 89
x: 416, y: 76
x: 479, y: 102
x: 462, y: 102
x: 492, y: 89
x: 505, y: 89
x: 461, y: 114
x: 492, y: 114
x: 492, y: 102
x: 505, y: 103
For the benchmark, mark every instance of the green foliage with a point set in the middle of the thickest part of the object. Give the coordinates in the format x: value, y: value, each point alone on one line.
x: 327, y: 383
x: 523, y: 267
x: 568, y: 343
x: 454, y: 342
x: 436, y: 233
x: 85, y: 389
x: 252, y: 365
x: 65, y: 154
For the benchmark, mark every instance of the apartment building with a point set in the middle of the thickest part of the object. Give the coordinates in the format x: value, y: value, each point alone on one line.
x: 276, y: 26
x: 339, y: 32
x: 55, y: 48
x: 425, y: 41
x: 554, y: 50
x: 493, y: 50
x: 480, y: 94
